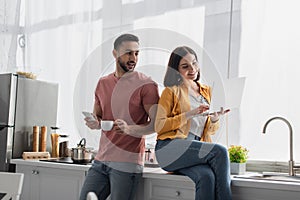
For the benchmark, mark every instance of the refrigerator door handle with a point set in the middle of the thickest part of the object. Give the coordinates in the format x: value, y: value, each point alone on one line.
x: 5, y: 126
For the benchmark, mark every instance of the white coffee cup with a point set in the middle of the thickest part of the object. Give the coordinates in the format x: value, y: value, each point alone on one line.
x: 107, y: 125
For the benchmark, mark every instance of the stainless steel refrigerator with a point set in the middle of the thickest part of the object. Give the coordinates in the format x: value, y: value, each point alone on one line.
x: 24, y: 103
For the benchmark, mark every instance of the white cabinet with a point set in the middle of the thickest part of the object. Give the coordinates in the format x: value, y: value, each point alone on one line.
x: 46, y: 183
x: 162, y: 189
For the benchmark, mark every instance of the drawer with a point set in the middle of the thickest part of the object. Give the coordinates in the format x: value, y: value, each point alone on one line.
x: 156, y: 189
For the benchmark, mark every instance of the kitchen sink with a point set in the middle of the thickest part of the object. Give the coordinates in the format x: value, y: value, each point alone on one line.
x: 272, y: 176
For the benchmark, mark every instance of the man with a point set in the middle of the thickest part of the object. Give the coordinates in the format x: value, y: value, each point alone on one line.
x: 128, y: 98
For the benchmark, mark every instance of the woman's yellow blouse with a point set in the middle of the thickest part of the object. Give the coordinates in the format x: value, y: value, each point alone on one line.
x: 170, y: 120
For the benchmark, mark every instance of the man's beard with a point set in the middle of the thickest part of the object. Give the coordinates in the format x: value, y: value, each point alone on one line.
x: 123, y: 66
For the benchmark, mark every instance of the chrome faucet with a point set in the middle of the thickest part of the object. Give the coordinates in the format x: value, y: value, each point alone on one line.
x: 291, y: 162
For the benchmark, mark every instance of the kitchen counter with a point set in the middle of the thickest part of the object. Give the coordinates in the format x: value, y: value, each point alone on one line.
x: 267, y: 184
x: 241, y: 188
x: 158, y: 173
x: 79, y: 167
x: 237, y: 182
x: 157, y: 179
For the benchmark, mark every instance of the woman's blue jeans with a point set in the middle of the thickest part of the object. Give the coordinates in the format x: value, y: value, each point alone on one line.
x: 207, y: 164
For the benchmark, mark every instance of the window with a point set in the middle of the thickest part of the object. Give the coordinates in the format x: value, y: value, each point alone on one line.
x: 269, y: 59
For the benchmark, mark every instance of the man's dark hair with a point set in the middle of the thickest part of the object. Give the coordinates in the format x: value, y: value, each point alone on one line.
x: 124, y: 38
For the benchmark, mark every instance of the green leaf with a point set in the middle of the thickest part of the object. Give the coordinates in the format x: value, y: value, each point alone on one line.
x: 238, y: 154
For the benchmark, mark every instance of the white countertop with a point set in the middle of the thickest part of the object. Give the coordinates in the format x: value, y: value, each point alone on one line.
x: 266, y: 184
x: 158, y: 173
x: 51, y: 164
x: 236, y: 182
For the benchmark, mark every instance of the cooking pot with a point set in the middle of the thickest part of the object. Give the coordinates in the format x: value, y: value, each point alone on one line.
x: 81, y: 154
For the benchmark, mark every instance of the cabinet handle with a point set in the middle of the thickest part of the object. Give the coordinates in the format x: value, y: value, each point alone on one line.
x: 178, y: 193
x: 35, y: 172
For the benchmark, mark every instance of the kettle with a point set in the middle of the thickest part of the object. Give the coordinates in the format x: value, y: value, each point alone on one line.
x: 81, y: 154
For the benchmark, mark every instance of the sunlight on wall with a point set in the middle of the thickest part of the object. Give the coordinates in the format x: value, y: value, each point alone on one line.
x: 59, y: 38
x: 189, y: 22
x: 174, y: 21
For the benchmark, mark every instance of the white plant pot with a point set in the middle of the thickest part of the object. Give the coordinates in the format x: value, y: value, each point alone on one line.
x: 237, y: 168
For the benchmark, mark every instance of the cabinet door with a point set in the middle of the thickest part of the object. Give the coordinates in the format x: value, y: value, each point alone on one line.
x: 42, y: 183
x: 59, y: 183
x: 30, y: 181
x: 156, y: 189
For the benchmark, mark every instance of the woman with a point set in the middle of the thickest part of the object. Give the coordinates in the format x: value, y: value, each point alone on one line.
x: 184, y: 128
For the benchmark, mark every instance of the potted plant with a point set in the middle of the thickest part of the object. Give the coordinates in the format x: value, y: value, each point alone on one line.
x: 238, y: 156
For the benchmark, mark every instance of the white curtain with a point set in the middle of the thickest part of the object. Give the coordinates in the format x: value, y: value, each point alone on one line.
x: 269, y: 59
x: 59, y: 36
x: 64, y: 41
x: 62, y: 38
x: 9, y: 32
